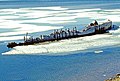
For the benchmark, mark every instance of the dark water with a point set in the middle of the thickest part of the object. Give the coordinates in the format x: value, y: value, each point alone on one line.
x: 70, y: 3
x: 81, y: 66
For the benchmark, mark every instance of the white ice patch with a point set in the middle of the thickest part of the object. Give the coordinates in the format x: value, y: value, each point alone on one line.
x: 70, y: 45
x: 115, y: 31
x: 30, y: 29
x: 48, y: 8
x: 98, y: 51
x: 11, y: 38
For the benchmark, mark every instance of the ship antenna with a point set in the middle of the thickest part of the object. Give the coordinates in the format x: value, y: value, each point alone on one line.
x: 26, y: 35
x: 24, y: 39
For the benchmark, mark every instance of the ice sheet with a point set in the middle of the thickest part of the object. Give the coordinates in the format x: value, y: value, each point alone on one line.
x: 70, y: 45
x: 24, y: 18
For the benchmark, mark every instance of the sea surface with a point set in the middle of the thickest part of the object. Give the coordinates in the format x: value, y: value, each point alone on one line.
x: 91, y: 58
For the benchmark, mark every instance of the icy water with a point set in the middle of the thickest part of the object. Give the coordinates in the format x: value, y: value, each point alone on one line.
x: 91, y: 58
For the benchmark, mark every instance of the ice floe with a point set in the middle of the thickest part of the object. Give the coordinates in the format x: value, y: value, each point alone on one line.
x: 76, y: 44
x: 24, y: 18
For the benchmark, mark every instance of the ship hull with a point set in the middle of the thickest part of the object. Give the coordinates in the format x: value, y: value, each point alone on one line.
x: 88, y: 31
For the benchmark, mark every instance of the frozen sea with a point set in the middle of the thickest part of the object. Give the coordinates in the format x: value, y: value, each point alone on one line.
x: 91, y: 58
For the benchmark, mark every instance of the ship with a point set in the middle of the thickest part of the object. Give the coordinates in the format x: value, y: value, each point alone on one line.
x: 91, y: 29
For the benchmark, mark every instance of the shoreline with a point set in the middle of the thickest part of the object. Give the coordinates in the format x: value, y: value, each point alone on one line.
x: 114, y: 78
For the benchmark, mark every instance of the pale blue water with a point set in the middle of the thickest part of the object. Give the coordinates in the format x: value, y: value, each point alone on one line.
x: 78, y: 66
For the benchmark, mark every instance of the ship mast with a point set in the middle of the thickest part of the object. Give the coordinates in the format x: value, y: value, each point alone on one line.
x: 25, y: 37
